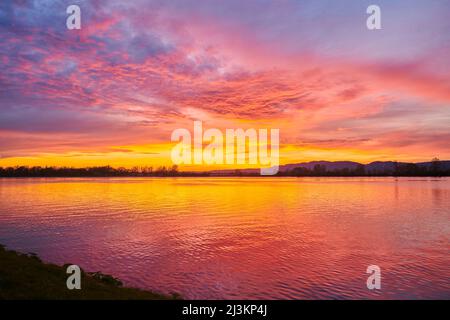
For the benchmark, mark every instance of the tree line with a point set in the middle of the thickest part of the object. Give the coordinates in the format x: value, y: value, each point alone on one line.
x: 434, y: 169
x: 103, y: 171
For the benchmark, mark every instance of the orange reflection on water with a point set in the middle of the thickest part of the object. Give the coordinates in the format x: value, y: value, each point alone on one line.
x: 272, y: 238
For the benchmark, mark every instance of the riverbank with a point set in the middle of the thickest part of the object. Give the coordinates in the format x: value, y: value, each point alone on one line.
x: 25, y: 276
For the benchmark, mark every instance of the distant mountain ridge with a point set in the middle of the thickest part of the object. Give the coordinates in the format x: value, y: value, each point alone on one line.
x: 330, y: 166
x: 379, y: 166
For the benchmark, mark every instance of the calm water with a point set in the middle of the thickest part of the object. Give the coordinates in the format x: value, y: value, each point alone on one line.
x: 274, y: 238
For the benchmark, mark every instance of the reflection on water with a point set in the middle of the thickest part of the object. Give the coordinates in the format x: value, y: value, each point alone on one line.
x: 273, y: 238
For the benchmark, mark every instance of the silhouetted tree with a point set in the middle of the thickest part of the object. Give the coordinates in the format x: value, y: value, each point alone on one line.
x: 319, y: 170
x: 435, y: 167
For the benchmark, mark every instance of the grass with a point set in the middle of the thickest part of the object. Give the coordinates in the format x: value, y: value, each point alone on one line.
x: 25, y: 276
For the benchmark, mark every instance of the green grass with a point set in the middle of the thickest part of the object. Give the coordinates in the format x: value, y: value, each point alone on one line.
x: 25, y: 276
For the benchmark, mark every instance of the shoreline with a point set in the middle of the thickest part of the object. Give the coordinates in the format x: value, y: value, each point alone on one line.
x: 433, y: 168
x: 26, y: 277
x: 222, y: 176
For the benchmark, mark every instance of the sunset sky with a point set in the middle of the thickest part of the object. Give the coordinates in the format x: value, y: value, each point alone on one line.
x: 113, y: 92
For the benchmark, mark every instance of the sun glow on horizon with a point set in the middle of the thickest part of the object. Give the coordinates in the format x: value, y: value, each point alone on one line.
x: 112, y: 92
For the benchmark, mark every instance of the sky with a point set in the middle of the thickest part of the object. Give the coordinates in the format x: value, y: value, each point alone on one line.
x: 112, y: 92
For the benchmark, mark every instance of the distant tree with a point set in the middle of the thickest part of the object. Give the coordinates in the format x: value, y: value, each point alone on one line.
x: 435, y: 167
x: 147, y: 171
x: 360, y: 170
x: 173, y: 170
x: 300, y: 172
x: 396, y: 169
x: 411, y: 169
x: 319, y: 169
